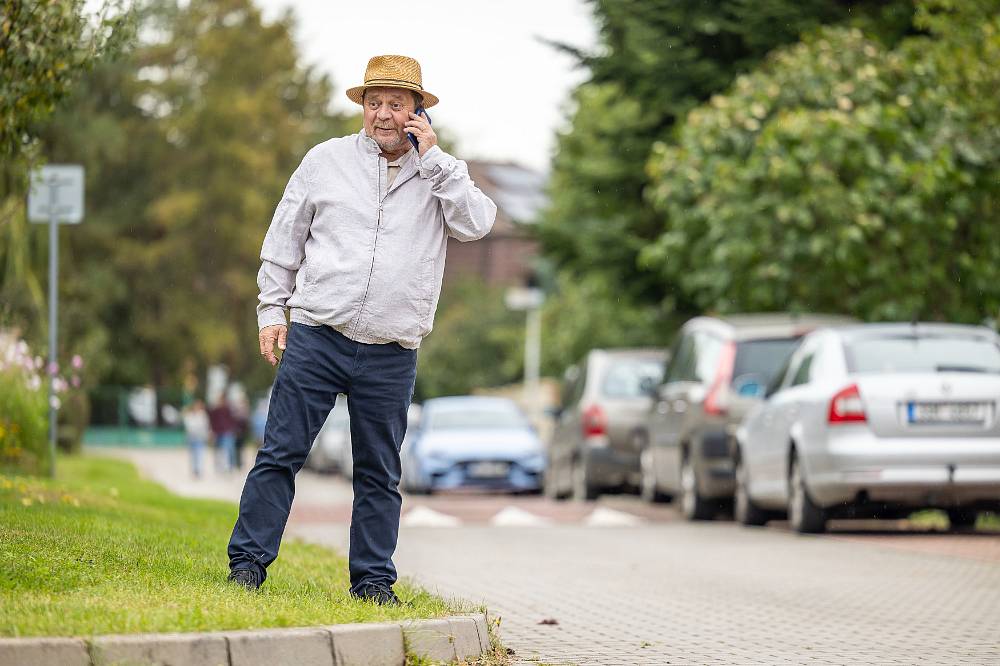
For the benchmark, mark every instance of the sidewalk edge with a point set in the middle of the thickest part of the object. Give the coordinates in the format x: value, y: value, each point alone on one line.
x: 443, y: 639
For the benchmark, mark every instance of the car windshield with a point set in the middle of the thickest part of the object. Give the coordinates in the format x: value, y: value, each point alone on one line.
x: 475, y: 416
x: 624, y: 377
x: 923, y: 353
x: 761, y: 359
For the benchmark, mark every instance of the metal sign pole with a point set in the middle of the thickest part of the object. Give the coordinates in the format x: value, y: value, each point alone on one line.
x: 55, y: 197
x: 53, y: 324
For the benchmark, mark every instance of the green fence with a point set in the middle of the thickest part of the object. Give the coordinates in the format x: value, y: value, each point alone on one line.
x: 129, y: 436
x: 113, y: 423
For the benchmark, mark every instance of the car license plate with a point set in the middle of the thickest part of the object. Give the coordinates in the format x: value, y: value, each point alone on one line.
x: 488, y: 470
x: 947, y: 412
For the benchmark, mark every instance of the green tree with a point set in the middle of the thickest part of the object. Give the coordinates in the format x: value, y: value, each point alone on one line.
x: 657, y: 60
x: 844, y: 176
x: 45, y: 47
x: 476, y: 342
x: 188, y: 145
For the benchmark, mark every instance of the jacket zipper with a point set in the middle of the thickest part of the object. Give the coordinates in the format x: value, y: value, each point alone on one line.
x: 378, y: 227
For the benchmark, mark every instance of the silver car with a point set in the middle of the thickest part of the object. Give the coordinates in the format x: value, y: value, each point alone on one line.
x: 719, y: 367
x: 328, y: 448
x: 604, y: 398
x: 875, y: 421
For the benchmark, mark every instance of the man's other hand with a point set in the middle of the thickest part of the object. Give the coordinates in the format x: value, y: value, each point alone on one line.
x: 267, y: 336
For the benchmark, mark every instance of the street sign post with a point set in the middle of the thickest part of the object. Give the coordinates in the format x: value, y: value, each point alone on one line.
x: 55, y: 197
x: 530, y: 300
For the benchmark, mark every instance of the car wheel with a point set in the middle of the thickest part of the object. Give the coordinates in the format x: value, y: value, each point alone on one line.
x: 693, y: 505
x: 649, y: 489
x: 583, y: 488
x: 962, y: 518
x: 804, y: 515
x: 744, y: 510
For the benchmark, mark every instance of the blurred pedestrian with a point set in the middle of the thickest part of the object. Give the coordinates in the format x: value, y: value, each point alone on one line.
x: 224, y: 429
x: 239, y: 405
x: 198, y: 432
x: 356, y: 251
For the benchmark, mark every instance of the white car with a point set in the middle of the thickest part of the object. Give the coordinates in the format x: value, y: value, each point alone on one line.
x: 876, y: 420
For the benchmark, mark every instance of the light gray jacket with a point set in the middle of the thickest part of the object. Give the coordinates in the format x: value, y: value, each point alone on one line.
x: 343, y: 251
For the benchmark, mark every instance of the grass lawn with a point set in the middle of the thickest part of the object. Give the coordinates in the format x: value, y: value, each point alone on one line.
x: 986, y: 521
x: 100, y: 551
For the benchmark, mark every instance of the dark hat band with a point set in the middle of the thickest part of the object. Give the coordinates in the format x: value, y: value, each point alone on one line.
x: 375, y: 82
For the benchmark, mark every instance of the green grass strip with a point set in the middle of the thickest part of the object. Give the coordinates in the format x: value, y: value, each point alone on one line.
x: 100, y: 551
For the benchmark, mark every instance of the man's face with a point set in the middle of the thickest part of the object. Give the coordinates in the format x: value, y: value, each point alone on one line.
x: 386, y: 112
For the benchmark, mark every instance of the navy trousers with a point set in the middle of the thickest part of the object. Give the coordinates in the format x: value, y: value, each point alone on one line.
x: 319, y: 363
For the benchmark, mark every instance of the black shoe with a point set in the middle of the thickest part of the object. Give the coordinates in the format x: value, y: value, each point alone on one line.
x: 248, y: 578
x: 381, y: 595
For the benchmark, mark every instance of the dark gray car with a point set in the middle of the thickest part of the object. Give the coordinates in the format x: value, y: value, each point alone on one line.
x: 603, y: 401
x: 718, y: 370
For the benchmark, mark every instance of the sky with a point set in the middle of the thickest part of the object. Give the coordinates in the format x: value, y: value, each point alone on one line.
x: 503, y: 93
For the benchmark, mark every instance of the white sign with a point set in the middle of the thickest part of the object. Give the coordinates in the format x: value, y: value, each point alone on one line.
x: 56, y: 192
x: 521, y: 298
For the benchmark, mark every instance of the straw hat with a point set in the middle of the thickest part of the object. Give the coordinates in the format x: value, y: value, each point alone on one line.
x: 392, y: 71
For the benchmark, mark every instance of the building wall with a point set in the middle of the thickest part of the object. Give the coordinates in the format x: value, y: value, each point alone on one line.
x: 504, y: 257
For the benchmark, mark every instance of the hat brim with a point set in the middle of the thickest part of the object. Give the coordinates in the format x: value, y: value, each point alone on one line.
x: 357, y: 93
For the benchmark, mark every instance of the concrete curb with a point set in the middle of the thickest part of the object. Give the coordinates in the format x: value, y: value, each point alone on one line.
x: 386, y: 644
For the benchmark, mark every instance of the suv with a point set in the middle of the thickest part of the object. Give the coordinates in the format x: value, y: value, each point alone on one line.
x: 719, y: 369
x: 603, y: 400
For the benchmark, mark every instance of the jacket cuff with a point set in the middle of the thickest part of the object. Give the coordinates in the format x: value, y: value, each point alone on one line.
x: 432, y: 160
x: 271, y: 316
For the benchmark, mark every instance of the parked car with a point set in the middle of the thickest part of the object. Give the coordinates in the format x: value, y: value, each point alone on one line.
x: 876, y: 420
x: 472, y: 442
x: 347, y: 454
x: 718, y: 370
x: 333, y: 437
x: 604, y: 398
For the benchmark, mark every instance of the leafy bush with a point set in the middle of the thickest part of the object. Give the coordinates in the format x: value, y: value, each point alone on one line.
x: 23, y: 412
x: 843, y: 176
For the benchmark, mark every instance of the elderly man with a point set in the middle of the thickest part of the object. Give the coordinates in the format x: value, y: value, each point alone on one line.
x: 356, y: 252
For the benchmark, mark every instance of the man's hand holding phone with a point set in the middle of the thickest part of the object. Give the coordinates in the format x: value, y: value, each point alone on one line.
x: 268, y: 336
x: 420, y: 127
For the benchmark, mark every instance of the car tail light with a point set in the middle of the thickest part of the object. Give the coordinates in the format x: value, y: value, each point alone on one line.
x: 846, y: 406
x: 723, y: 375
x: 595, y: 422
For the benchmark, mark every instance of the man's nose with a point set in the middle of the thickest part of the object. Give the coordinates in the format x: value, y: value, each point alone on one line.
x: 383, y: 113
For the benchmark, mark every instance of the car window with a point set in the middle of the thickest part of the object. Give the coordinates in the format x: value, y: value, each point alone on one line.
x: 570, y: 381
x: 576, y: 393
x: 624, y: 377
x: 706, y: 351
x: 762, y: 359
x: 802, y: 373
x: 923, y: 353
x: 680, y: 359
x: 779, y: 377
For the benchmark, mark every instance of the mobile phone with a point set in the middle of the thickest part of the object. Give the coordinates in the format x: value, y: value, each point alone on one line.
x: 412, y: 138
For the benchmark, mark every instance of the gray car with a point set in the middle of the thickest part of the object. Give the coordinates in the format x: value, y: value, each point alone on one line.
x: 876, y: 420
x: 603, y: 400
x: 328, y: 449
x: 717, y: 372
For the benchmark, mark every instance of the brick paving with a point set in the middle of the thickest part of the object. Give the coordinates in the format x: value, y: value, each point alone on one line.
x: 667, y: 592
x: 713, y: 593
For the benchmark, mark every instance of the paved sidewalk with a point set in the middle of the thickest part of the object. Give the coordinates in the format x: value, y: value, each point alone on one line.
x: 666, y: 592
x: 709, y: 594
